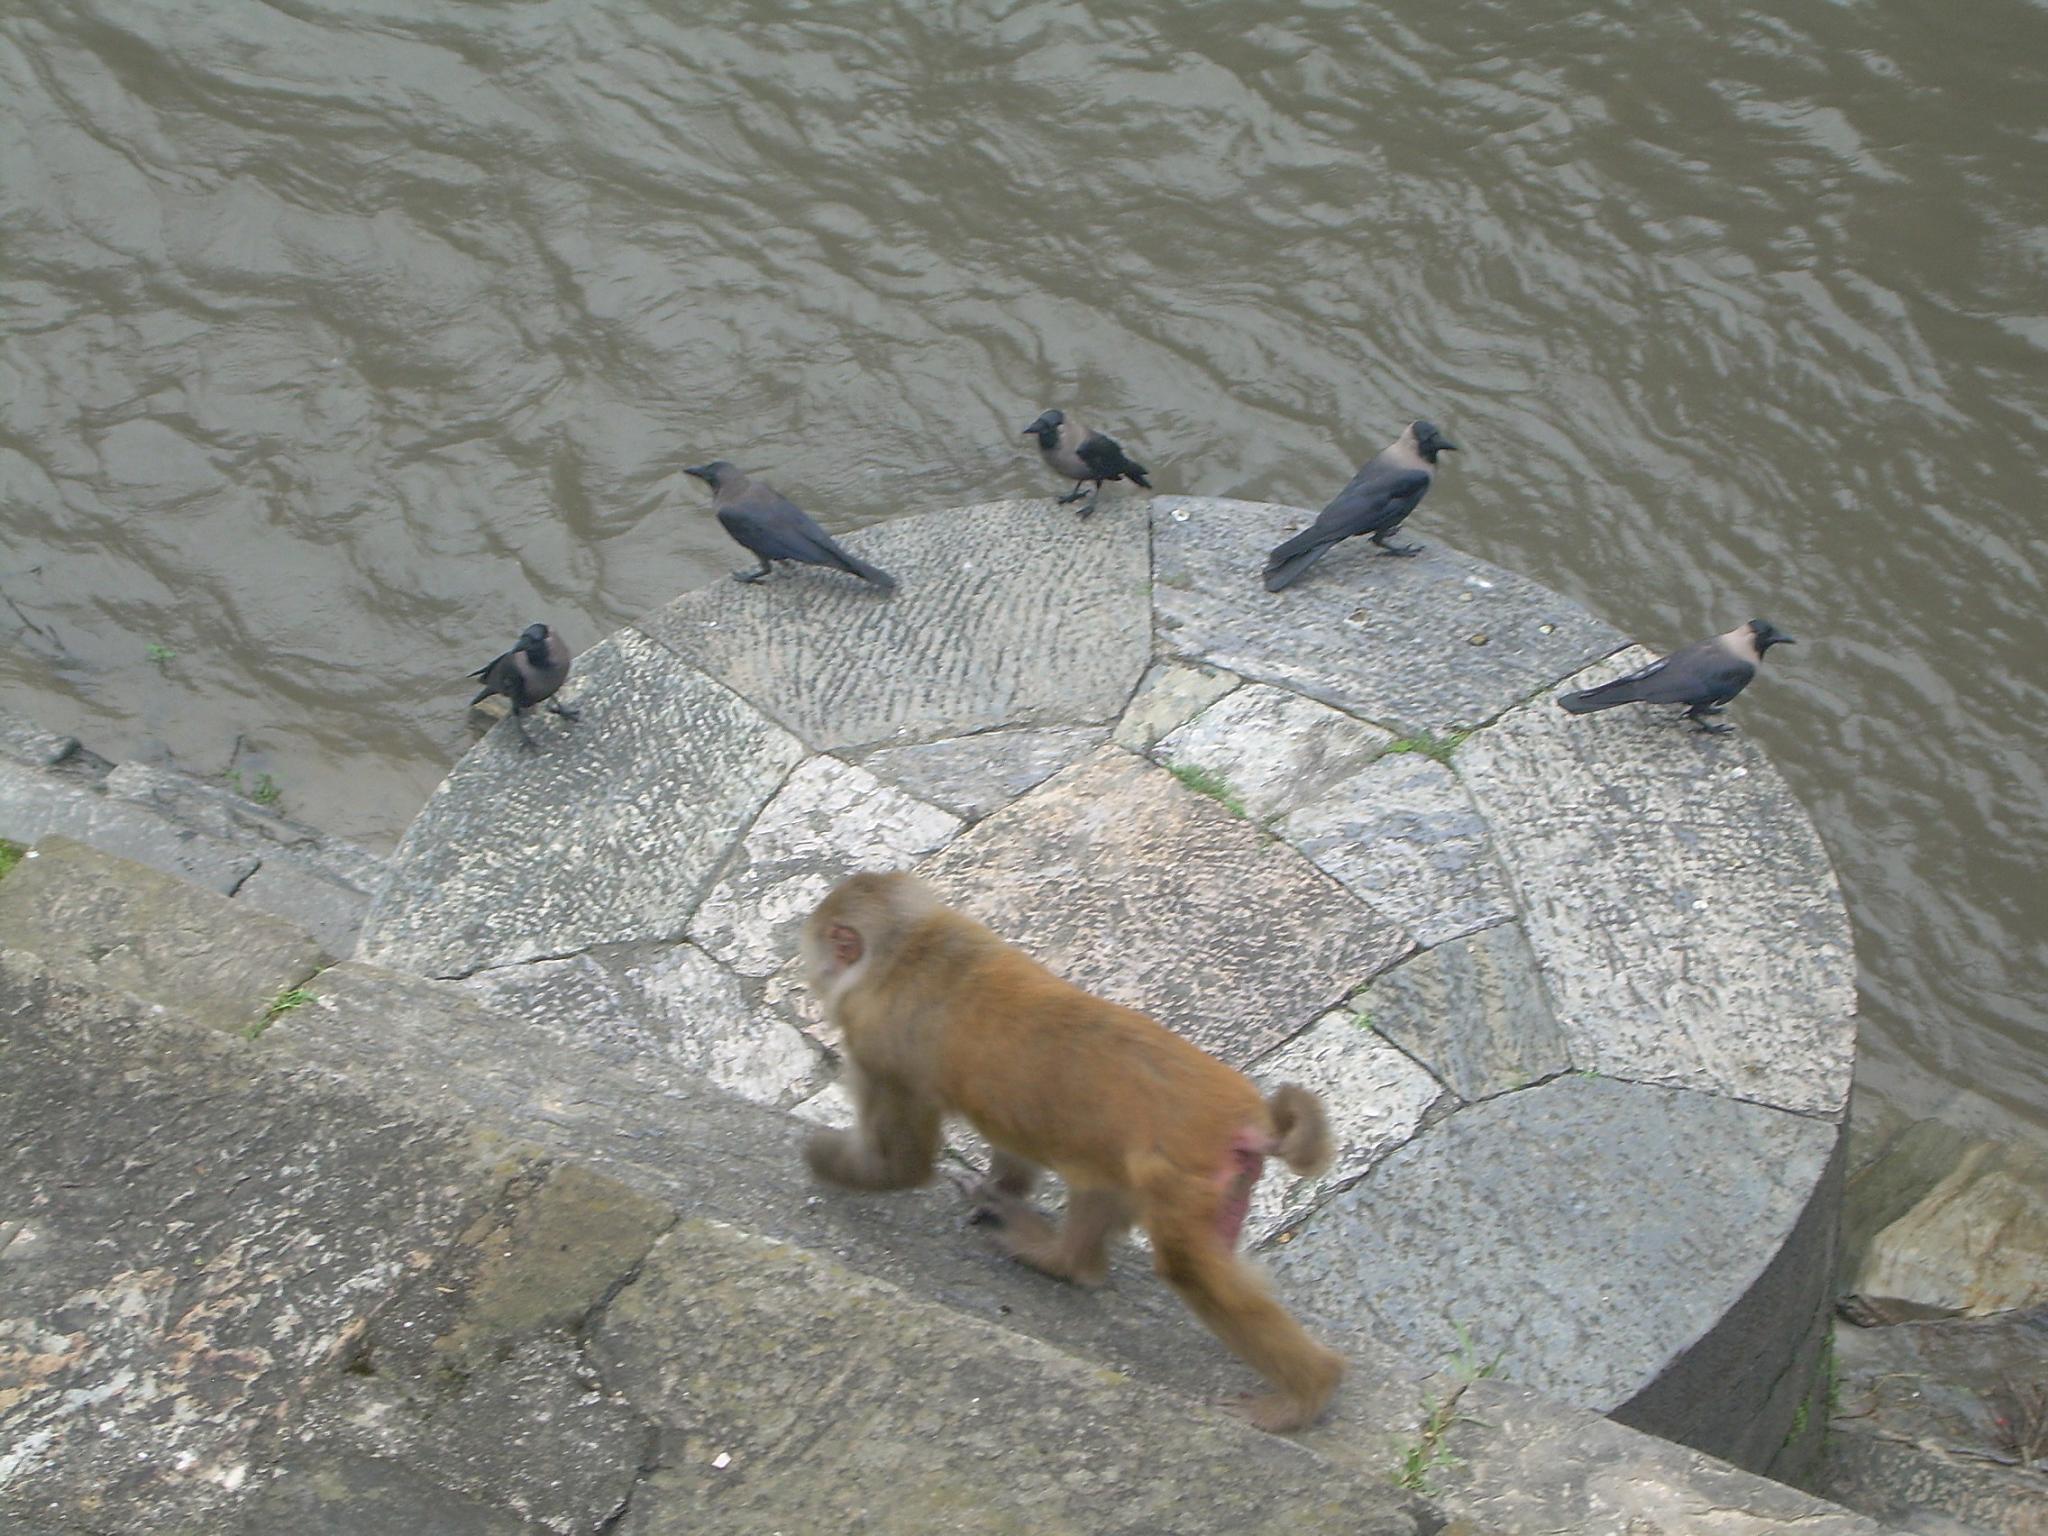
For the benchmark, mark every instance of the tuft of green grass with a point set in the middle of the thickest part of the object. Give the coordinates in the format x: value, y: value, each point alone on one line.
x: 267, y: 790
x: 1438, y: 747
x: 160, y: 655
x: 1206, y: 781
x: 283, y: 1003
x: 1798, y: 1425
x: 1429, y: 1455
x: 10, y: 855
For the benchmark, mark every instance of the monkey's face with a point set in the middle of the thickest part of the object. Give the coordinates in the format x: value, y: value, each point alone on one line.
x: 832, y: 951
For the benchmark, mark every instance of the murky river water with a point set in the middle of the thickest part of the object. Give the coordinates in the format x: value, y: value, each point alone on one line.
x: 341, y: 340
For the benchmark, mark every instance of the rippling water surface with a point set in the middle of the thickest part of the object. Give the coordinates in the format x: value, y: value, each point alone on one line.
x: 340, y: 341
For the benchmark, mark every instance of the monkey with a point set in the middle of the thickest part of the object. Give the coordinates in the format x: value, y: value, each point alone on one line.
x: 940, y: 1016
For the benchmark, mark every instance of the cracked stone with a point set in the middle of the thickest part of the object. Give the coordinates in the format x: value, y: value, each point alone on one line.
x: 829, y: 820
x: 1374, y: 1096
x: 1547, y: 1226
x: 1383, y: 639
x: 1274, y: 749
x: 974, y: 775
x: 1171, y: 694
x: 1403, y: 835
x: 608, y: 833
x: 1474, y: 1011
x: 1127, y: 884
x: 1679, y: 901
x: 666, y: 1003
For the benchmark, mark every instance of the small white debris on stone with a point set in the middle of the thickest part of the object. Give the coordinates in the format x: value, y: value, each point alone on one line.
x: 721, y: 1461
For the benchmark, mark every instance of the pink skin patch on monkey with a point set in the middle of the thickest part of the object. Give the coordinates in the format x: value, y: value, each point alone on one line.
x: 1240, y: 1176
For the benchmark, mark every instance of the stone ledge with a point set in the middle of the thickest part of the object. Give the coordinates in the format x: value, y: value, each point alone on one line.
x: 126, y: 927
x: 1519, y: 893
x: 610, y: 832
x: 1439, y: 643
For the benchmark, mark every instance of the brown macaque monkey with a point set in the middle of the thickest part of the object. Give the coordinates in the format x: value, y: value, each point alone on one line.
x: 940, y: 1016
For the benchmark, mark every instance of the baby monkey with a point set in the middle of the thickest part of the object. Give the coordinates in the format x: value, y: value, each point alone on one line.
x: 940, y: 1016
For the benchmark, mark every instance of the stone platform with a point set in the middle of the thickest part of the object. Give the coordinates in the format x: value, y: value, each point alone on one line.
x: 1579, y: 992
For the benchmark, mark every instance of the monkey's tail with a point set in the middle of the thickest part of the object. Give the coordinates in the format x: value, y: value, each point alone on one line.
x: 1301, y: 1132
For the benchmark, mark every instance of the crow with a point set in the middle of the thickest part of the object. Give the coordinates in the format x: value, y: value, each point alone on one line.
x: 773, y: 527
x: 1704, y: 676
x: 527, y: 675
x: 1070, y: 449
x: 1376, y: 501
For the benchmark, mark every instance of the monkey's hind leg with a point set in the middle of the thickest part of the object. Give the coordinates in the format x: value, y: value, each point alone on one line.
x: 893, y: 1146
x: 1076, y: 1250
x: 1232, y: 1300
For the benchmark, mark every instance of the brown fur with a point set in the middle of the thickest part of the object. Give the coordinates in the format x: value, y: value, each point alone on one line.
x: 941, y: 1016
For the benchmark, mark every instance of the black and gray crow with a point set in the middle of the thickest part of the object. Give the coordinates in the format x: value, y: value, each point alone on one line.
x: 1070, y: 449
x: 1376, y: 501
x: 527, y: 675
x: 1703, y: 676
x: 773, y: 527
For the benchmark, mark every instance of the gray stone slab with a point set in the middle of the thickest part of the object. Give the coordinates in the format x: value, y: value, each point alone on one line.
x: 1680, y: 902
x: 974, y: 775
x: 1519, y: 1464
x: 829, y: 820
x: 1588, y: 1232
x: 609, y: 833
x: 1438, y: 643
x: 670, y: 1004
x: 1374, y: 1096
x: 197, y: 1248
x: 28, y: 743
x: 1275, y: 750
x: 1403, y: 835
x: 35, y: 805
x: 1473, y: 1011
x: 328, y: 910
x: 1008, y: 614
x: 219, y: 812
x: 135, y: 929
x: 1927, y: 1419
x: 813, y: 1398
x: 1136, y: 888
x: 1171, y: 694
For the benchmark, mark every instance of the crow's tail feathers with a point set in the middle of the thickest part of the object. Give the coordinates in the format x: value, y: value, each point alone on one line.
x: 1606, y: 696
x: 855, y: 566
x: 1288, y: 564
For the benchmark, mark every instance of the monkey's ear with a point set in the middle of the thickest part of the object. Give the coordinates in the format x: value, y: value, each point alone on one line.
x: 845, y: 945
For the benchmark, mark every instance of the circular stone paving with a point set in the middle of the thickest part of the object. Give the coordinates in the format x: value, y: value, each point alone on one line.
x: 1577, y: 992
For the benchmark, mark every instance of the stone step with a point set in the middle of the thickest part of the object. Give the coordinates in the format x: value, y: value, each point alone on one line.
x: 123, y: 926
x: 432, y: 1049
x: 361, y: 1318
x: 188, y: 827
